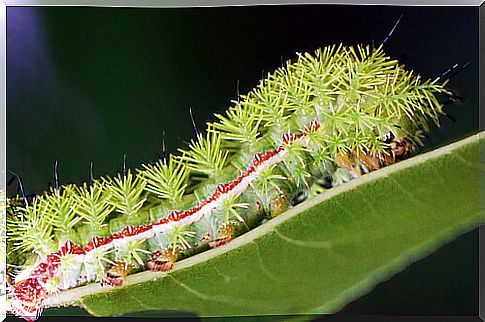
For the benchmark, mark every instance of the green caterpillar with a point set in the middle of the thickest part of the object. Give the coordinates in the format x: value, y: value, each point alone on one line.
x: 319, y: 121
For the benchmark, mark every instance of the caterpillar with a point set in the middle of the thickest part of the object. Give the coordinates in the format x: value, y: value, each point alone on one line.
x: 323, y: 119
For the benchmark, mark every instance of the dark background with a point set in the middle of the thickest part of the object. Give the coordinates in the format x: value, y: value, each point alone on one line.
x: 90, y: 84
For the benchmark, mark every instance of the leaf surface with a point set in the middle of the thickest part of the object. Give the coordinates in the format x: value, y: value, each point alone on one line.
x: 321, y: 254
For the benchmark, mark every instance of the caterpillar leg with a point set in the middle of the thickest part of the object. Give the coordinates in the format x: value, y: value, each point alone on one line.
x: 115, y: 275
x: 399, y: 149
x: 162, y: 261
x: 226, y: 234
x: 278, y: 206
x: 345, y: 160
x: 369, y: 161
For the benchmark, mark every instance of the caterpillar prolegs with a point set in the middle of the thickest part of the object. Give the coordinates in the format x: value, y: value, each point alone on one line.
x: 321, y: 120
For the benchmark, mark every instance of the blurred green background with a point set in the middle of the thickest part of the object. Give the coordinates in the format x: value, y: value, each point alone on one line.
x: 91, y: 84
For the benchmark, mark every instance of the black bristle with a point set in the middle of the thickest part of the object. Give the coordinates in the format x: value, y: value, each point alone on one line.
x: 392, y: 30
x: 451, y: 118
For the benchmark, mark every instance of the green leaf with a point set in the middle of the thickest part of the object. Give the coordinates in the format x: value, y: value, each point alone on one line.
x: 321, y: 254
